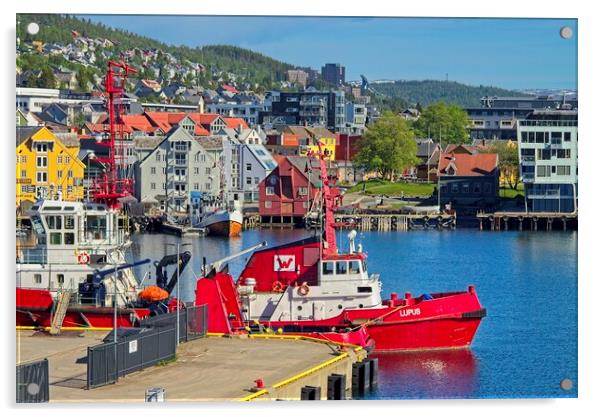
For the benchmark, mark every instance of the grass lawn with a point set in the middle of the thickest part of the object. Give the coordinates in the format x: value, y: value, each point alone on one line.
x: 380, y: 187
x: 506, y: 192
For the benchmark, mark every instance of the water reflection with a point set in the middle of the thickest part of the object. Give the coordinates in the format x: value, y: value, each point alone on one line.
x: 427, y: 374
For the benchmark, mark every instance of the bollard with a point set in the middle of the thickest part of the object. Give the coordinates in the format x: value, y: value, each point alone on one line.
x: 373, y: 372
x: 336, y: 387
x: 359, y: 379
x: 309, y: 393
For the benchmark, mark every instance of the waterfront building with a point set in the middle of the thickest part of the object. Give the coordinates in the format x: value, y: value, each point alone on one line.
x: 47, y: 167
x: 175, y: 168
x: 355, y: 118
x: 497, y: 117
x: 308, y: 108
x: 297, y: 77
x: 548, y: 160
x: 257, y: 163
x: 246, y: 110
x: 469, y: 181
x: 334, y: 74
x: 428, y: 152
x: 287, y: 193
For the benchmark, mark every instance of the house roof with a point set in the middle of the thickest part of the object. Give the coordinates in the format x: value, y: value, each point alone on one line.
x: 467, y: 165
x: 210, y: 143
x: 468, y: 149
x: 25, y: 132
x: 235, y: 122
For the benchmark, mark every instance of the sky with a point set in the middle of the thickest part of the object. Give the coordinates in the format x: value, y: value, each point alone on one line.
x: 508, y: 53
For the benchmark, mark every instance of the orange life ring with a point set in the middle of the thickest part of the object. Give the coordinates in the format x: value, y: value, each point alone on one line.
x: 277, y: 286
x: 83, y: 258
x: 303, y: 289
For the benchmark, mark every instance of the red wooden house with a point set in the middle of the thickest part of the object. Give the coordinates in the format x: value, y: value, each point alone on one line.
x: 288, y: 192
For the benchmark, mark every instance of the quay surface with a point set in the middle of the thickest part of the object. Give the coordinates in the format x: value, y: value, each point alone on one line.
x: 207, y: 369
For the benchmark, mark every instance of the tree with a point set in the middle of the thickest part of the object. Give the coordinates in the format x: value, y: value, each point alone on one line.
x: 507, y: 161
x: 388, y: 146
x: 47, y: 78
x: 447, y: 122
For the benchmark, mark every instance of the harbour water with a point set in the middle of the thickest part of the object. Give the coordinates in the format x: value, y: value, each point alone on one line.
x: 525, y: 346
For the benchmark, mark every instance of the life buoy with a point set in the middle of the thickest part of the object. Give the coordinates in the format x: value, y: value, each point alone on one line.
x: 303, y: 290
x: 83, y: 258
x: 277, y: 286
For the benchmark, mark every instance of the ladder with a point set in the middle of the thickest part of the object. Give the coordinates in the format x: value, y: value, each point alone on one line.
x: 60, y: 312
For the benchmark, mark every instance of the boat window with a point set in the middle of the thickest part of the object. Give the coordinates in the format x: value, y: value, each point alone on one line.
x: 364, y: 289
x: 354, y: 267
x: 69, y: 208
x: 327, y: 268
x: 35, y: 208
x: 37, y: 278
x: 364, y: 266
x: 96, y: 227
x: 52, y: 208
x: 55, y: 238
x: 342, y: 268
x: 69, y: 223
x: 60, y: 278
x: 69, y: 238
x: 54, y: 222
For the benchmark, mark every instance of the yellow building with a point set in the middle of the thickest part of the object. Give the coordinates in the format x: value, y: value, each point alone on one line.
x: 327, y: 139
x: 47, y: 166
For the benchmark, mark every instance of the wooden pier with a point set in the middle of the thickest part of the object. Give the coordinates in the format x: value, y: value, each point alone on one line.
x: 504, y: 220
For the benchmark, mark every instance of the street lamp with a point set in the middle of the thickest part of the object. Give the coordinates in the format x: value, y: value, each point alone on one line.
x: 178, y: 245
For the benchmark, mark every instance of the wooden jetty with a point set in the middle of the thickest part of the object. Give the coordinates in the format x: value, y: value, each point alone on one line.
x: 395, y: 222
x: 506, y: 220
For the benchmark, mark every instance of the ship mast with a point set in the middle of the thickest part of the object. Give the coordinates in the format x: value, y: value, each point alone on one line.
x: 329, y: 241
x: 113, y: 184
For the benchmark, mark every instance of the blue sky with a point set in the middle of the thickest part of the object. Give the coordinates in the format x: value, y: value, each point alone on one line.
x: 510, y: 53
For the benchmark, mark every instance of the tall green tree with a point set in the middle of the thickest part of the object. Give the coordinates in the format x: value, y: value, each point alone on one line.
x: 508, y: 161
x: 447, y: 122
x: 388, y: 147
x: 47, y: 78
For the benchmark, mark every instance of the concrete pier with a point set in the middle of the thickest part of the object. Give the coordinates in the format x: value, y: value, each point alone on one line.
x: 207, y: 369
x: 543, y: 221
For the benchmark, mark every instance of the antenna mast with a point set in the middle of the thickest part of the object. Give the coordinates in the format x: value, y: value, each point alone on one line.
x: 329, y: 240
x: 114, y: 184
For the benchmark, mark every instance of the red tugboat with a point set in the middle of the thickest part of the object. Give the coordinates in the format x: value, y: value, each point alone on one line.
x: 309, y: 287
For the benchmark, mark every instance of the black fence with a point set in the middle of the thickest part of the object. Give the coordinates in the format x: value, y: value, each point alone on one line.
x: 137, y: 348
x: 193, y: 322
x: 32, y: 382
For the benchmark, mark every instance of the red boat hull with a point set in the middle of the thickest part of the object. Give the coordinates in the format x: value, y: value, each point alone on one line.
x: 446, y: 320
x: 34, y: 309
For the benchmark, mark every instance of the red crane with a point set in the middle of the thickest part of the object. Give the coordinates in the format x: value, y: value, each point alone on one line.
x: 113, y: 184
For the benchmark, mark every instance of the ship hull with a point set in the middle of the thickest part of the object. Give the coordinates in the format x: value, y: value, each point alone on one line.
x: 447, y: 321
x: 223, y: 223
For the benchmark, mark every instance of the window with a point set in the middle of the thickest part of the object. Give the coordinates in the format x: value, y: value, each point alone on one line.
x: 153, y: 186
x: 59, y: 159
x: 523, y: 137
x: 364, y: 289
x: 208, y: 171
x: 465, y: 187
x: 543, y: 171
x: 69, y: 174
x: 268, y: 204
x: 567, y: 136
x: 248, y: 167
x: 306, y: 204
x: 153, y: 170
x: 67, y: 160
x: 256, y: 180
x: 196, y: 170
x: 42, y: 177
x: 163, y: 170
x: 69, y: 238
x: 563, y: 170
x: 55, y: 238
x: 196, y: 157
x: 196, y: 185
x: 41, y: 147
x: 60, y: 278
x: 42, y: 161
x: 269, y: 190
x: 444, y: 188
x: 341, y: 267
x: 69, y: 189
x: 59, y: 174
x: 158, y: 156
x: 539, y: 137
x: 327, y: 268
x: 302, y: 190
x: 37, y: 278
x: 476, y: 188
x: 69, y: 222
x: 23, y: 159
x: 487, y: 188
x: 24, y: 188
x: 163, y: 185
x: 455, y: 188
x: 23, y: 173
x: 207, y: 186
x: 354, y: 267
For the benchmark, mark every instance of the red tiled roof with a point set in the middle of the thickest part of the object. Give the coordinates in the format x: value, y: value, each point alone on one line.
x: 229, y: 88
x: 203, y: 118
x: 138, y: 122
x: 235, y: 122
x: 467, y: 165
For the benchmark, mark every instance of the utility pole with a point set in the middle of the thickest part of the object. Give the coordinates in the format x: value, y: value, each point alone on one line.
x: 177, y: 245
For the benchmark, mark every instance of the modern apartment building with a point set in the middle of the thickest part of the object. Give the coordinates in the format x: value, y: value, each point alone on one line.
x: 310, y: 108
x: 548, y: 160
x: 334, y: 74
x: 497, y: 117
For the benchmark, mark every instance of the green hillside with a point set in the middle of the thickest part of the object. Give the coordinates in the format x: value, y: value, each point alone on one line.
x: 253, y: 66
x: 429, y: 91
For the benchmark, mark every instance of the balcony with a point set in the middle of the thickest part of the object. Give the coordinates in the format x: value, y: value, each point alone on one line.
x: 528, y: 177
x: 180, y: 162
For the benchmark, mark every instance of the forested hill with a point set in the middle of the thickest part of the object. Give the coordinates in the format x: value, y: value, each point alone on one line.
x: 429, y: 91
x: 55, y: 28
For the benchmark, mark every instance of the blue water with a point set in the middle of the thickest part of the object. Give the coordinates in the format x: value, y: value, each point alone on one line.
x: 527, y: 281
